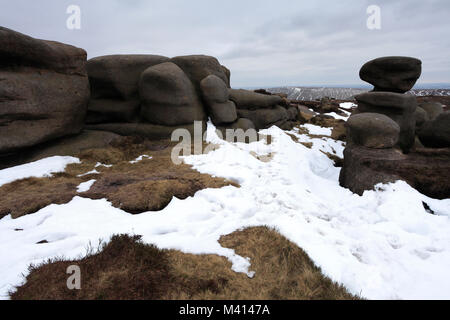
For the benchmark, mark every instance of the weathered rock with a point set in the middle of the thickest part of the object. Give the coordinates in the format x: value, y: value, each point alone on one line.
x: 228, y: 75
x: 421, y: 117
x: 215, y: 94
x: 249, y: 100
x: 436, y: 133
x: 214, y: 90
x: 427, y: 170
x: 18, y: 51
x: 399, y: 107
x: 394, y: 74
x: 241, y: 123
x: 304, y: 114
x: 117, y: 76
x: 44, y: 90
x: 292, y: 113
x: 198, y: 67
x: 433, y: 109
x: 372, y: 130
x: 168, y: 97
x: 222, y: 113
x: 327, y: 105
x: 110, y: 110
x: 265, y: 118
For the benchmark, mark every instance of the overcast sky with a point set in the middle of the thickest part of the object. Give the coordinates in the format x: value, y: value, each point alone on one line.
x: 264, y: 43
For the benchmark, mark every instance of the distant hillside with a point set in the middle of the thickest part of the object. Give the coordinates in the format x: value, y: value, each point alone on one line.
x: 315, y: 93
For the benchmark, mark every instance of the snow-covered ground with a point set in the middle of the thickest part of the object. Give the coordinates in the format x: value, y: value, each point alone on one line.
x: 379, y: 245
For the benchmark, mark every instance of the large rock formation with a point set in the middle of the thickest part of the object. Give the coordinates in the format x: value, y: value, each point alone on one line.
x: 44, y: 90
x: 392, y: 74
x: 372, y: 155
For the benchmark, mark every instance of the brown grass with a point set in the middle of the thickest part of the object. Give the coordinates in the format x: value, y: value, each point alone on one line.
x: 145, y: 186
x: 128, y: 269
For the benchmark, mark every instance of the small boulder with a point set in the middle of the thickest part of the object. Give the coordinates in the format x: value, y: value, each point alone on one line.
x: 399, y: 107
x: 433, y: 109
x: 305, y: 114
x: 168, y: 96
x: 421, y: 117
x: 372, y: 130
x: 265, y: 118
x: 215, y: 94
x: 436, y: 133
x: 393, y: 74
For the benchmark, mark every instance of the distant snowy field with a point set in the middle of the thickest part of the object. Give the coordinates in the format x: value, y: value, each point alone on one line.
x: 382, y: 245
x: 316, y: 93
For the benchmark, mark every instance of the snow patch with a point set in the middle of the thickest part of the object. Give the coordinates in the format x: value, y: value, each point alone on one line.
x: 38, y: 169
x: 85, y: 186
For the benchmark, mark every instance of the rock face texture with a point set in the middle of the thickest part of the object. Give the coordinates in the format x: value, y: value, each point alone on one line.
x: 373, y: 156
x: 436, y: 133
x: 399, y: 107
x: 427, y: 170
x: 372, y: 130
x: 216, y: 96
x: 44, y: 90
x: 393, y: 74
x: 115, y: 86
x: 198, y: 67
x: 168, y: 96
x: 250, y: 100
x: 433, y: 109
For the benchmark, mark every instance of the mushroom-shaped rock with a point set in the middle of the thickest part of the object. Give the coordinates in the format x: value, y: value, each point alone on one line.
x: 394, y: 74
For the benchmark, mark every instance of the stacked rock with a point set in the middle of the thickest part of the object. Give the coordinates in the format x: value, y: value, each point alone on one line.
x: 392, y: 77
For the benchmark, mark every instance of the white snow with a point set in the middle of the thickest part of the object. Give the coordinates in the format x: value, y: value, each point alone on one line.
x: 383, y: 245
x: 348, y: 105
x: 38, y: 169
x: 85, y: 186
x: 94, y: 171
x: 103, y: 165
x: 317, y: 130
x: 140, y: 158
